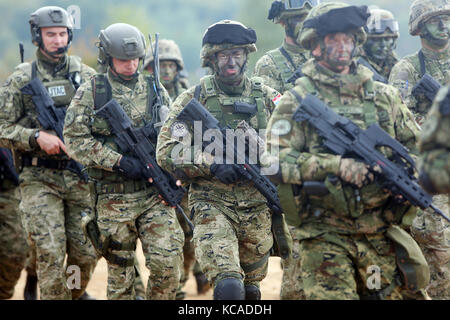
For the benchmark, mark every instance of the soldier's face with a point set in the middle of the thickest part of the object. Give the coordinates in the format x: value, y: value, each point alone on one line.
x: 230, y: 62
x: 380, y: 48
x: 54, y: 38
x: 338, y: 50
x: 438, y: 27
x: 126, y: 68
x: 168, y: 71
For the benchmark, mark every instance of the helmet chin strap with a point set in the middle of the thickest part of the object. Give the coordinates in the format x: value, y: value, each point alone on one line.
x: 432, y: 40
x: 122, y: 77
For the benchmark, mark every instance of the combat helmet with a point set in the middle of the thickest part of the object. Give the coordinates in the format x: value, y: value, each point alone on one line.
x: 226, y: 34
x: 167, y: 50
x: 422, y: 10
x: 50, y: 16
x: 120, y: 41
x: 282, y: 10
x: 381, y: 24
x: 333, y: 17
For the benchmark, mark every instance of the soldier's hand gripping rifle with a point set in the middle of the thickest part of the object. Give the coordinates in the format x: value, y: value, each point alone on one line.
x: 50, y: 117
x: 195, y: 111
x: 343, y: 137
x: 426, y: 87
x: 7, y: 169
x: 137, y: 141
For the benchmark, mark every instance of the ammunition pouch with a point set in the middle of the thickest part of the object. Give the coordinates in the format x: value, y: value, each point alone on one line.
x: 245, y: 108
x: 410, y: 260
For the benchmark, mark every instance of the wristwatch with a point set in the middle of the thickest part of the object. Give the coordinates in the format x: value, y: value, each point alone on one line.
x: 36, y: 135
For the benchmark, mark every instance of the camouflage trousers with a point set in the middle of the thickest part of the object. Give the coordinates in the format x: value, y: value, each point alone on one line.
x: 291, y: 282
x: 228, y: 248
x: 14, y: 247
x: 432, y: 233
x: 51, y: 205
x: 141, y: 214
x: 341, y: 267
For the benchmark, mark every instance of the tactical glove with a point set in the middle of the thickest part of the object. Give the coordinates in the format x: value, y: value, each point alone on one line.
x: 355, y: 172
x: 226, y: 173
x: 131, y: 167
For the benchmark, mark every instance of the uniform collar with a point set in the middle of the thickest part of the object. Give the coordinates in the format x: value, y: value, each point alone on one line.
x: 293, y: 49
x: 433, y: 55
x: 127, y: 83
x: 351, y: 84
x: 232, y: 90
x: 48, y: 65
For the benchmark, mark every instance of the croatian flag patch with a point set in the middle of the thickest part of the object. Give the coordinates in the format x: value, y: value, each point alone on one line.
x: 276, y: 99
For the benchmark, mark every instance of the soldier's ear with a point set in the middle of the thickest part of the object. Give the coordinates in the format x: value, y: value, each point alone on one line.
x: 316, y: 49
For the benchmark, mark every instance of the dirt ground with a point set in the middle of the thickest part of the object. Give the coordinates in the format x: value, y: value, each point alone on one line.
x: 270, y: 286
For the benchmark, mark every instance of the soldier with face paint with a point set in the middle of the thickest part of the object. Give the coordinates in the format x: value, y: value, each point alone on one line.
x: 382, y: 36
x: 355, y: 225
x: 430, y: 20
x: 277, y: 66
x: 232, y: 235
x: 171, y: 67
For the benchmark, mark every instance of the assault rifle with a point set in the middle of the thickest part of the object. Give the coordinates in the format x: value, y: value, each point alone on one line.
x: 7, y: 169
x: 195, y: 111
x: 138, y: 142
x: 50, y: 117
x: 427, y: 87
x: 345, y: 138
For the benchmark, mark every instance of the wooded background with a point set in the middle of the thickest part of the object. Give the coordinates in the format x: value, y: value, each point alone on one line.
x: 184, y: 21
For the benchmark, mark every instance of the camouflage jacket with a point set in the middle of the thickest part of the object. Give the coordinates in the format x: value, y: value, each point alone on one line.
x: 407, y: 72
x: 384, y: 69
x: 18, y: 116
x: 179, y: 87
x: 303, y: 157
x: 274, y: 75
x: 195, y: 170
x: 434, y: 143
x: 88, y: 137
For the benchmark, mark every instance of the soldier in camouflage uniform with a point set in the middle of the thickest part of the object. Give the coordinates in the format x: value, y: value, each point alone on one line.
x: 277, y: 66
x: 434, y: 177
x: 171, y: 67
x: 127, y: 205
x: 430, y: 19
x: 173, y: 78
x: 232, y: 235
x: 14, y: 248
x: 382, y: 34
x: 434, y: 146
x: 355, y: 226
x: 52, y: 198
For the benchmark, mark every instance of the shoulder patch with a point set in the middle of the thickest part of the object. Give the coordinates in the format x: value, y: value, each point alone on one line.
x: 179, y: 129
x: 281, y: 127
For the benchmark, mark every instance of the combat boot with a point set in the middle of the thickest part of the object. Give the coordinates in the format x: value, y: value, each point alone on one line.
x: 202, y: 283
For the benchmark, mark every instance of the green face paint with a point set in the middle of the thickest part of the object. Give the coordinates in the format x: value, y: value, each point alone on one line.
x: 438, y: 27
x: 436, y: 31
x: 380, y: 48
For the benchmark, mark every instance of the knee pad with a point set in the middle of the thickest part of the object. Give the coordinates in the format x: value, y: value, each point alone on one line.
x: 252, y: 292
x: 229, y: 289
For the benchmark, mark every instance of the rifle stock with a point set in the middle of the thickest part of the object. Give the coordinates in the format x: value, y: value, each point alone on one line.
x: 345, y: 138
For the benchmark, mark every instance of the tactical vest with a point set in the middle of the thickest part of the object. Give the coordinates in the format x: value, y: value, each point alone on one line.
x: 60, y: 90
x: 102, y: 93
x: 295, y: 203
x: 224, y: 108
x: 284, y: 64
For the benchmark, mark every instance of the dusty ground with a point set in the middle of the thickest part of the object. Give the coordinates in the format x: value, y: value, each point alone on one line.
x: 270, y: 286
